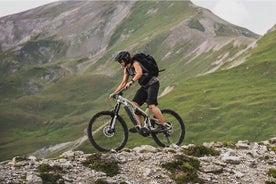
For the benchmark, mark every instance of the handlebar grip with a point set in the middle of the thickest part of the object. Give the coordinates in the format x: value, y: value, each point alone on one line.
x: 119, y: 92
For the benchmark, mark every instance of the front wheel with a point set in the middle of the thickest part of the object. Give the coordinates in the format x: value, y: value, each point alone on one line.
x: 174, y: 135
x: 104, y: 137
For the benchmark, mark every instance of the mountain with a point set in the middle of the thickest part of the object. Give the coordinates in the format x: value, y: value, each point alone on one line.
x: 233, y: 103
x: 57, y: 70
x: 272, y: 29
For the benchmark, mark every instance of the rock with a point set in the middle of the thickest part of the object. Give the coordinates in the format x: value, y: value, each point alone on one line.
x: 32, y: 178
x: 242, y: 145
x: 12, y: 162
x: 273, y: 140
x: 145, y: 149
x: 148, y: 172
x: 231, y: 159
x: 248, y: 163
x: 212, y: 169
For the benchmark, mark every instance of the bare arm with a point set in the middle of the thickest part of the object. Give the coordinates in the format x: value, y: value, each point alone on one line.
x: 139, y: 71
x: 138, y: 74
x: 125, y: 82
x: 122, y: 84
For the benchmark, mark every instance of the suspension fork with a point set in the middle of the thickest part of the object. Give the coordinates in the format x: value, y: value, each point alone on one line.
x: 114, y: 118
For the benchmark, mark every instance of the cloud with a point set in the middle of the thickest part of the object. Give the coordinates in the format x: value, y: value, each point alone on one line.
x: 255, y: 15
x: 233, y: 11
x: 8, y: 7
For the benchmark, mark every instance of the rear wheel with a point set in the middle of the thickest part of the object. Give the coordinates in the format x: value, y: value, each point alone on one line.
x: 102, y: 136
x: 173, y: 135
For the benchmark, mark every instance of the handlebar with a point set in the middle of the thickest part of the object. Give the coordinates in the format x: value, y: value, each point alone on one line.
x: 119, y: 93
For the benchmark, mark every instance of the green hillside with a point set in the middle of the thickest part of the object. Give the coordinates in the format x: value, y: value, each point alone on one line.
x: 233, y: 104
x: 48, y: 99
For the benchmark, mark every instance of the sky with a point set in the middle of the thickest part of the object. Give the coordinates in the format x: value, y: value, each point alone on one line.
x: 256, y: 15
x: 8, y: 7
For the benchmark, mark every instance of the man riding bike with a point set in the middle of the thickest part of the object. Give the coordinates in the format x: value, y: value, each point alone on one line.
x: 148, y: 91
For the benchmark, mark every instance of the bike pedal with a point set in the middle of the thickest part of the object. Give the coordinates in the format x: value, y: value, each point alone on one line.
x: 168, y: 125
x: 159, y: 129
x: 134, y: 129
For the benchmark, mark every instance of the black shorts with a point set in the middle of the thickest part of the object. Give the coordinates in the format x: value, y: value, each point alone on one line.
x: 147, y: 94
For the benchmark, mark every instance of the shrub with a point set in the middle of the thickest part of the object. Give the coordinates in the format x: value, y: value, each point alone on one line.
x: 184, y: 169
x: 50, y: 174
x: 199, y: 151
x: 272, y: 172
x: 95, y: 162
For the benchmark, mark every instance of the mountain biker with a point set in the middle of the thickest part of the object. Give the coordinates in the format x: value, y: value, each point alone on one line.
x: 146, y: 93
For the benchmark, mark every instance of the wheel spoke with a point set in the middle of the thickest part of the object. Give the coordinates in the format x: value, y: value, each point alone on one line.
x: 175, y: 135
x: 102, y: 137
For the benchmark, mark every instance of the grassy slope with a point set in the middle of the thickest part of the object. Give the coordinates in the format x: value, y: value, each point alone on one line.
x: 67, y: 104
x: 146, y: 17
x: 234, y: 104
x: 49, y: 117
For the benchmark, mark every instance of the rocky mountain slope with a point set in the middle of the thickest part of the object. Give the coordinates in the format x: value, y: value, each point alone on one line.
x: 83, y: 26
x: 241, y: 162
x: 89, y: 32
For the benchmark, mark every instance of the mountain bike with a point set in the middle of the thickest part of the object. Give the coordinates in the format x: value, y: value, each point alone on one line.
x: 107, y: 130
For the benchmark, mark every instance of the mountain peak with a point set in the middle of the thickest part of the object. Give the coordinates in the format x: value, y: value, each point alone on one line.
x: 272, y: 29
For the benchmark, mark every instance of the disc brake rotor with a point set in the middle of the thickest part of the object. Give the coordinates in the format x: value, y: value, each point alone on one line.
x: 108, y: 132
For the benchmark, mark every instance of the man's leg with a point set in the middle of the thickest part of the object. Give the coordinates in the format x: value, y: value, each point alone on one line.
x: 138, y: 100
x: 157, y: 113
x: 137, y: 127
x: 152, y: 102
x: 138, y: 117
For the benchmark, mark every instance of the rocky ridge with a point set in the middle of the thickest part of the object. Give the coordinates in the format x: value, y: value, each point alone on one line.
x: 240, y: 162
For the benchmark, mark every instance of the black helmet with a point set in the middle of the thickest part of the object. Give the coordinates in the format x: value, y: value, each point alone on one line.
x: 123, y: 55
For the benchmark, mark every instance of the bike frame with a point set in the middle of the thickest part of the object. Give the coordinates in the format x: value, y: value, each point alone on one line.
x: 131, y: 110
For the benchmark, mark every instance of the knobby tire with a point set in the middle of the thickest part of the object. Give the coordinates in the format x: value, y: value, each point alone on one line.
x: 178, y: 130
x: 102, y: 137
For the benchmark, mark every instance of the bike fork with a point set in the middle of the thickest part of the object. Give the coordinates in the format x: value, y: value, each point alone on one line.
x: 114, y: 118
x: 112, y: 124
